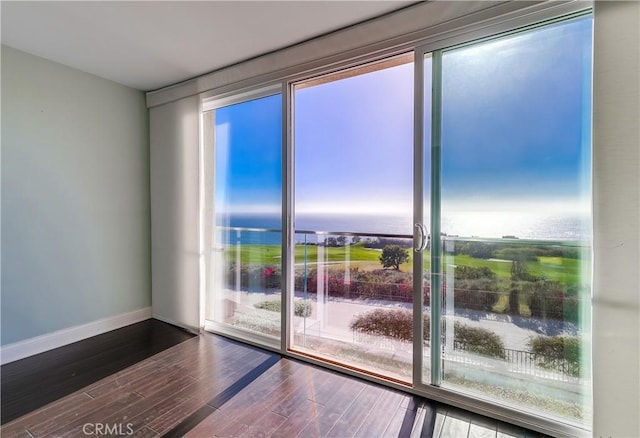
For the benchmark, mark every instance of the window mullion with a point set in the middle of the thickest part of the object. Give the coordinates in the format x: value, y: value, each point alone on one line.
x: 436, y: 264
x: 288, y: 249
x: 418, y: 216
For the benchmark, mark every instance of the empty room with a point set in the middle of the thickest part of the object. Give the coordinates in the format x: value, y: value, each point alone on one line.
x: 176, y: 261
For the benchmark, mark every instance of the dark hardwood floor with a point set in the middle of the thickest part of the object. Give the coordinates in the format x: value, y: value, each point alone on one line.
x: 209, y: 386
x: 33, y: 382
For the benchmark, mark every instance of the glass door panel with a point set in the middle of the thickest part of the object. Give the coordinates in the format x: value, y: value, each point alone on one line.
x: 246, y: 255
x: 515, y: 220
x: 353, y: 289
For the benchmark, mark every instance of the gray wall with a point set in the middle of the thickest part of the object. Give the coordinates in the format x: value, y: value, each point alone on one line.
x: 75, y: 198
x: 616, y: 197
x: 175, y: 203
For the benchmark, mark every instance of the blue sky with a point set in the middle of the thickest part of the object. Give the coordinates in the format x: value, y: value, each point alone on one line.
x: 354, y: 143
x: 516, y: 117
x: 248, y: 142
x: 515, y: 132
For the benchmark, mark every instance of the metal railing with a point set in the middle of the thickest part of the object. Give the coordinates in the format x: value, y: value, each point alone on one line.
x: 346, y: 284
x: 526, y: 362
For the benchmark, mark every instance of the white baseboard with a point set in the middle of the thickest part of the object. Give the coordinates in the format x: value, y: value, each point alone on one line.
x: 188, y: 328
x: 40, y: 344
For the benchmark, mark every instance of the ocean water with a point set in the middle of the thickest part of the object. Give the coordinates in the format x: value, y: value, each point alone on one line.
x: 523, y: 225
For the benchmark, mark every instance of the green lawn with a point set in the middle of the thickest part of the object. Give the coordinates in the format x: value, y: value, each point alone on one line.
x: 566, y: 270
x: 502, y: 269
x: 267, y: 254
x: 254, y: 254
x: 560, y: 269
x: 339, y: 254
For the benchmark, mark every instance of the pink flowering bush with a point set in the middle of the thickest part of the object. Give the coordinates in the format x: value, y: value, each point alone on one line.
x: 380, y: 284
x: 254, y: 277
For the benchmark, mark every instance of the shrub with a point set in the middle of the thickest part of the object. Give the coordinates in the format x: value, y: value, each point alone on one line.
x: 396, y: 324
x: 479, y: 250
x: 519, y: 270
x: 253, y: 277
x: 300, y: 308
x: 513, y: 297
x: 380, y: 284
x: 471, y: 273
x: 524, y: 310
x: 260, y: 321
x: 379, y: 243
x: 334, y: 282
x: 520, y: 296
x: 557, y: 352
x: 527, y: 254
x: 551, y: 299
x: 272, y: 305
x: 502, y: 305
x: 478, y: 340
x: 479, y: 294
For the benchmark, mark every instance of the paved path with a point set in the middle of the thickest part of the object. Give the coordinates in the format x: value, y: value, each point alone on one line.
x: 515, y: 331
x: 335, y: 316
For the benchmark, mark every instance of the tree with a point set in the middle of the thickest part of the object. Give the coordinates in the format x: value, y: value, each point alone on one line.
x: 393, y: 256
x: 331, y: 242
x: 519, y: 270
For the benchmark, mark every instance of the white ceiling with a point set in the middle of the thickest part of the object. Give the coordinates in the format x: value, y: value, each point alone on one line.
x: 152, y: 44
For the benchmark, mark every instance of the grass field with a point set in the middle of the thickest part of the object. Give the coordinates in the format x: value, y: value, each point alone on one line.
x: 266, y: 254
x: 565, y: 270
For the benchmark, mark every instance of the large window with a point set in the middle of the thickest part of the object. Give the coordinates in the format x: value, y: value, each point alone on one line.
x: 247, y: 233
x: 436, y: 220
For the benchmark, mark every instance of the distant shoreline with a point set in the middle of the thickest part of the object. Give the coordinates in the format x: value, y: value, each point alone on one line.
x: 571, y: 227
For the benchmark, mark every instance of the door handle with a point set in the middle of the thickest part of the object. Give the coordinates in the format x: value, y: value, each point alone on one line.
x: 423, y: 238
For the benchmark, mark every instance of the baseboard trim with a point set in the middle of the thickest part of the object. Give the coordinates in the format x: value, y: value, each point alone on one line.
x: 40, y: 344
x: 188, y: 328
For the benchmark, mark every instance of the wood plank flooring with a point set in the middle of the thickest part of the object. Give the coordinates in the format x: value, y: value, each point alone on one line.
x: 33, y: 382
x: 209, y: 386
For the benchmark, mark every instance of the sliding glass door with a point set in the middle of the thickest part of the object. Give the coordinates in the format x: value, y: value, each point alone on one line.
x: 511, y: 233
x: 434, y: 211
x: 353, y: 148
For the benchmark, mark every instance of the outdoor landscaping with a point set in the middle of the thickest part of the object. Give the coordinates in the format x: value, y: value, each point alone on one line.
x: 355, y: 296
